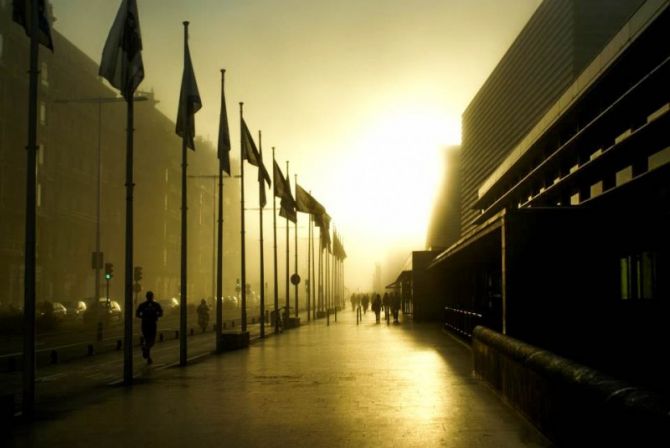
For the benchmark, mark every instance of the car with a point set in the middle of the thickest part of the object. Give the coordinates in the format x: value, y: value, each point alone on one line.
x: 105, y: 309
x: 169, y: 306
x: 48, y: 309
x: 75, y: 309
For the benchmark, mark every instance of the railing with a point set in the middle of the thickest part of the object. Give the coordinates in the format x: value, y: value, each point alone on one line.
x: 462, y: 322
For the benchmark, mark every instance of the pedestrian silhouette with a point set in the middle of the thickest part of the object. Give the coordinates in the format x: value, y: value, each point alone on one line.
x: 149, y: 311
x: 203, y: 315
x: 377, y: 306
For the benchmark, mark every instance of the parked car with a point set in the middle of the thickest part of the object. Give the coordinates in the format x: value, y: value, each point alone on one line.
x: 103, y: 309
x: 169, y: 306
x: 75, y: 309
x: 54, y: 310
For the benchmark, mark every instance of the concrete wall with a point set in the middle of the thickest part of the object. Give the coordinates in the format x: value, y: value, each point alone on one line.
x: 572, y: 404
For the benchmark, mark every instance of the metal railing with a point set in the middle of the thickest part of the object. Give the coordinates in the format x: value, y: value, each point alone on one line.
x: 461, y: 321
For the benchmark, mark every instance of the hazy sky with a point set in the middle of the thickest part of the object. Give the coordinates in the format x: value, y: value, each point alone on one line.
x: 360, y: 95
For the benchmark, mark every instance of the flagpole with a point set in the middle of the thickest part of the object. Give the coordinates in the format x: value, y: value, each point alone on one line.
x: 184, y: 289
x: 309, y: 266
x: 295, y: 250
x: 31, y: 223
x: 261, y: 188
x: 128, y: 306
x: 274, y: 232
x: 219, y: 240
x: 313, y: 289
x: 288, y: 303
x: 327, y: 282
x: 244, y: 263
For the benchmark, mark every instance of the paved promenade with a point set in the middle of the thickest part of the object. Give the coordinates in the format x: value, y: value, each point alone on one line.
x: 345, y: 385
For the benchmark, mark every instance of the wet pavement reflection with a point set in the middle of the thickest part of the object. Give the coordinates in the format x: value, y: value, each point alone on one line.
x: 406, y: 385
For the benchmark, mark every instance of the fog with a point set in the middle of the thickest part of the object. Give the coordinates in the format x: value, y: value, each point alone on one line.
x: 359, y: 96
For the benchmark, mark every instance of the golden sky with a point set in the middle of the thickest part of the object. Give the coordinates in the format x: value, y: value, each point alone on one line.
x: 360, y: 95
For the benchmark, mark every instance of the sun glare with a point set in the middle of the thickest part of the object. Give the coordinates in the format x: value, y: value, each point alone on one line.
x: 395, y: 168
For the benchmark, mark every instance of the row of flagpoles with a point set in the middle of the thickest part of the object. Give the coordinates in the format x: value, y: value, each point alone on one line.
x: 122, y: 66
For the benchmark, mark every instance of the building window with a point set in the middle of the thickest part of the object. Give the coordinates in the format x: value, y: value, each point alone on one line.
x: 44, y: 74
x: 638, y: 276
x: 43, y: 113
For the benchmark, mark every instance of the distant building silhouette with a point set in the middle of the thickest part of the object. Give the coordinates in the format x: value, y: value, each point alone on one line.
x: 445, y: 227
x: 67, y: 167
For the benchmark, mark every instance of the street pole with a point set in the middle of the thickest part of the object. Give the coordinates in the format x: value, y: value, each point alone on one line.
x: 309, y: 267
x: 274, y: 231
x: 261, y: 192
x: 183, y: 287
x: 31, y: 224
x: 288, y: 303
x: 244, y: 264
x: 295, y: 250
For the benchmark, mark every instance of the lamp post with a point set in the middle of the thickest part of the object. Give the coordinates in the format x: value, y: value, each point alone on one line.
x: 97, y: 259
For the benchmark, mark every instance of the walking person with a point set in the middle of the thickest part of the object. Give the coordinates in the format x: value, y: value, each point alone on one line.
x: 377, y: 306
x: 149, y: 311
x: 203, y: 315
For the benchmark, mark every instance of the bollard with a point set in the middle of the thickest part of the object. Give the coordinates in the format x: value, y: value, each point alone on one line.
x: 89, y: 350
x: 53, y: 357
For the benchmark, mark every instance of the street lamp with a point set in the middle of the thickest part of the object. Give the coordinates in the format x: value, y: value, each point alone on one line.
x: 97, y: 259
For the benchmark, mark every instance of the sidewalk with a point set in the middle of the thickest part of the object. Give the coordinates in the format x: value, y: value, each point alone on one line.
x: 342, y: 385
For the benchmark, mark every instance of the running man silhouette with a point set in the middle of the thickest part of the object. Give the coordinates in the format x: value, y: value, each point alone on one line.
x: 149, y: 311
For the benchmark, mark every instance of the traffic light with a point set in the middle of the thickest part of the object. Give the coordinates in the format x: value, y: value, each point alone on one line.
x: 138, y: 273
x: 109, y: 271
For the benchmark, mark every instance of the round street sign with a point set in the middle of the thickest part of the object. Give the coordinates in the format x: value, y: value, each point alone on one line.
x: 295, y: 279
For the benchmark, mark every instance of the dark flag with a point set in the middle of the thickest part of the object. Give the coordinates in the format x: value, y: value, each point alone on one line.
x: 322, y: 221
x: 282, y: 190
x: 189, y: 102
x: 305, y: 203
x: 287, y: 209
x: 261, y: 175
x: 21, y: 14
x: 251, y: 154
x: 223, y: 149
x: 121, y: 63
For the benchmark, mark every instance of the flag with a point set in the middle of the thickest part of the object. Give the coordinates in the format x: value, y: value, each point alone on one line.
x: 305, y: 203
x: 324, y: 231
x: 338, y: 248
x: 251, y: 154
x: 189, y: 102
x: 287, y: 209
x: 121, y: 63
x: 282, y: 190
x: 223, y: 149
x: 262, y: 199
x: 21, y: 14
